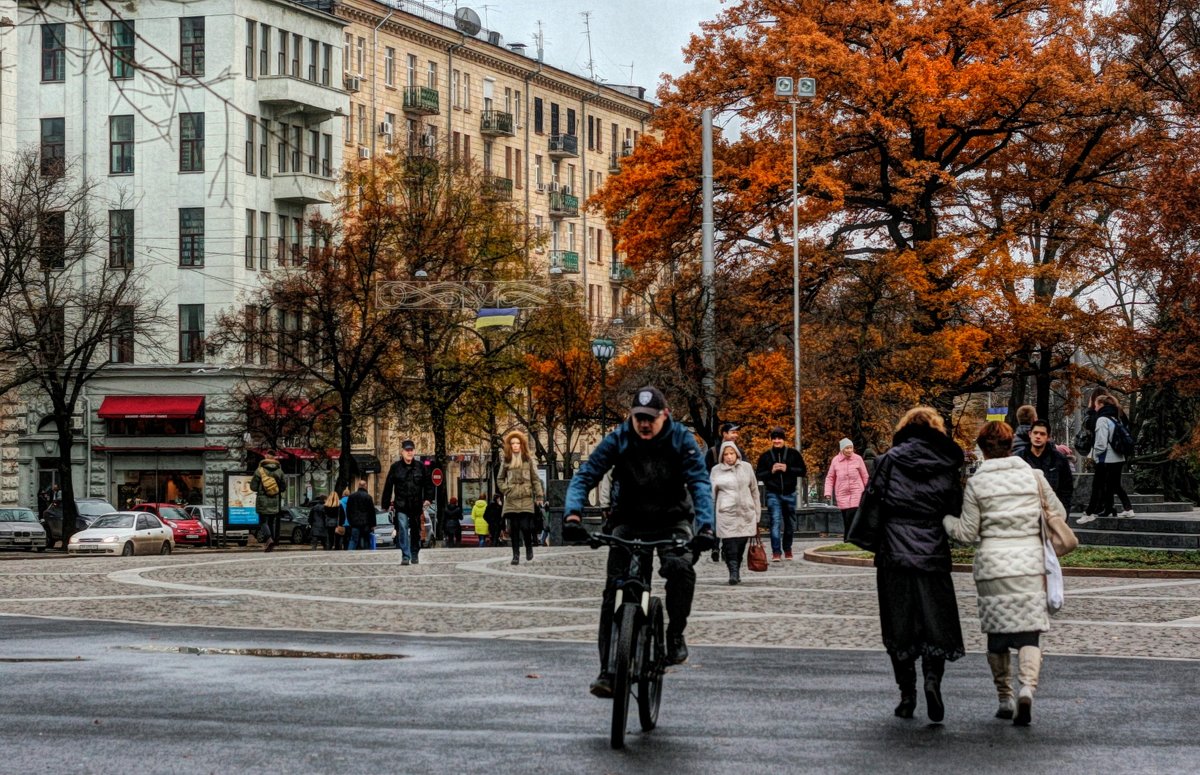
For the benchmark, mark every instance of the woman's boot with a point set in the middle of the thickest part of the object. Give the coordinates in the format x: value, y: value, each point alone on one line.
x: 933, y: 667
x: 1029, y: 666
x: 906, y: 679
x: 1002, y: 678
x: 734, y: 572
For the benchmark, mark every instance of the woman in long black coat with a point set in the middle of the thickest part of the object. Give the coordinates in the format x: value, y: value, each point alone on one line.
x: 916, y: 483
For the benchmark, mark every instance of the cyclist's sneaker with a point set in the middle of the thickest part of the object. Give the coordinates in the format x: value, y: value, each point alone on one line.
x: 776, y: 557
x: 677, y: 651
x: 602, y: 686
x: 787, y: 556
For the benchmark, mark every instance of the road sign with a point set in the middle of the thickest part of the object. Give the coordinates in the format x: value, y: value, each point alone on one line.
x: 436, y: 476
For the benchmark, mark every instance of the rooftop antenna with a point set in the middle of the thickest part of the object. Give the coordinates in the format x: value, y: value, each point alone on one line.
x: 587, y: 30
x: 467, y: 21
x: 539, y: 38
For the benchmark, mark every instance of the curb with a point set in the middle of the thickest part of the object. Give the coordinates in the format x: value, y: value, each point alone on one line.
x: 811, y: 555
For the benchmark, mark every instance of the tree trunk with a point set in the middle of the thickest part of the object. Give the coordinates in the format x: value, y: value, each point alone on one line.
x: 345, y: 459
x: 66, y: 439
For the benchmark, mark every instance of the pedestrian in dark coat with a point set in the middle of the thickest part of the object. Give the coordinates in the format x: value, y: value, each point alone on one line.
x: 316, y: 522
x: 915, y: 484
x: 452, y: 523
x: 494, y: 516
x: 360, y: 513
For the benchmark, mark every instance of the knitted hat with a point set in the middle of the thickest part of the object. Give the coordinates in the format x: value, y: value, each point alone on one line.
x: 843, y: 444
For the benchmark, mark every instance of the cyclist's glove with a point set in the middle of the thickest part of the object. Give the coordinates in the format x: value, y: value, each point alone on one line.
x: 573, y: 529
x: 705, y: 540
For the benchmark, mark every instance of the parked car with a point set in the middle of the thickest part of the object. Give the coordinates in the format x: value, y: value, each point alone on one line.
x: 20, y: 529
x: 384, y: 530
x: 293, y: 524
x: 125, y: 533
x: 185, y: 530
x: 211, y: 518
x: 88, y: 508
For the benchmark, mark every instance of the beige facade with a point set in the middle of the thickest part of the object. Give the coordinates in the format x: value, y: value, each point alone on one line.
x: 547, y: 138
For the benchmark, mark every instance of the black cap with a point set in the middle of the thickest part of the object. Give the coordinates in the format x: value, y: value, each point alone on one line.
x: 407, y: 444
x: 778, y: 433
x: 648, y: 401
x: 726, y: 427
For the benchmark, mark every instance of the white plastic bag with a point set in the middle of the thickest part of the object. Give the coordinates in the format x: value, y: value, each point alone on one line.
x: 1054, y: 579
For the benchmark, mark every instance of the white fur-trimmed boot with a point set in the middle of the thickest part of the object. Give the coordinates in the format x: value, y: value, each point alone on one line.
x: 1030, y: 666
x: 1002, y: 678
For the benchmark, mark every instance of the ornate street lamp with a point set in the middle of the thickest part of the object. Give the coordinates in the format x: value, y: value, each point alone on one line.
x: 603, y: 349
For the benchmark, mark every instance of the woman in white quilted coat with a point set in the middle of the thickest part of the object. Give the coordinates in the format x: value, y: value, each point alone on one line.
x: 735, y: 500
x: 1002, y: 512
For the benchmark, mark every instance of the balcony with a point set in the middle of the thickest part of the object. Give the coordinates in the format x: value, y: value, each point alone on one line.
x: 302, y: 188
x: 294, y: 98
x: 497, y: 188
x: 496, y: 123
x: 563, y: 147
x: 421, y: 101
x: 288, y: 253
x: 566, y: 260
x: 563, y: 205
x: 619, y: 273
x: 614, y: 163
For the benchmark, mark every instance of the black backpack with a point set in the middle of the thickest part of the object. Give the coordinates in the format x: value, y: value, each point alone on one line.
x: 1122, y: 439
x: 1084, y: 440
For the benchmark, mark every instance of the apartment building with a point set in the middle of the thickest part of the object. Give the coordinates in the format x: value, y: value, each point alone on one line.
x: 426, y: 82
x: 212, y: 129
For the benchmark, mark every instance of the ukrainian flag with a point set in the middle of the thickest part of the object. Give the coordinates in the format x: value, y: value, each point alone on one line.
x: 495, y: 316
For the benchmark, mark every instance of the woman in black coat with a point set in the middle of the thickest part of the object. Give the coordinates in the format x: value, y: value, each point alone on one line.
x: 916, y: 483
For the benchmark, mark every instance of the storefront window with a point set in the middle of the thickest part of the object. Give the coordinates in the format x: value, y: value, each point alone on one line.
x: 129, y: 426
x: 159, y: 486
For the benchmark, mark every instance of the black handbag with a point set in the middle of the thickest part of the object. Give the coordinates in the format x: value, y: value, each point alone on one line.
x: 539, y: 518
x: 864, y: 529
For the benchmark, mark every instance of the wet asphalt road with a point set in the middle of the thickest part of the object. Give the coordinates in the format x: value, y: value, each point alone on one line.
x: 129, y: 705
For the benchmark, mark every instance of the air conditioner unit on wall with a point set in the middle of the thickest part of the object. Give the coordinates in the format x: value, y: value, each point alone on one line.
x: 566, y: 190
x: 553, y: 186
x: 352, y: 83
x: 541, y: 188
x: 385, y: 128
x: 428, y: 141
x: 364, y: 153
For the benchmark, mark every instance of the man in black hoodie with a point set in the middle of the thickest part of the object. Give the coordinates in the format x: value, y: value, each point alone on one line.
x: 406, y: 492
x: 1046, y: 458
x: 778, y: 469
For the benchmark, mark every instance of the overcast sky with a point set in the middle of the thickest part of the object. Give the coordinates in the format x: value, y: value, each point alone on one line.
x: 648, y: 35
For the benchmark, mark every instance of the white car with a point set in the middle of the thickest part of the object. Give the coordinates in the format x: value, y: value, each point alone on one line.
x: 211, y: 519
x: 125, y: 533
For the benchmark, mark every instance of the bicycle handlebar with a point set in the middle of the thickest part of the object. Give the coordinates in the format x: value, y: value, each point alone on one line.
x: 601, y: 539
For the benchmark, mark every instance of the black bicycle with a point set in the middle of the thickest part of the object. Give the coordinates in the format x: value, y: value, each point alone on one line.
x: 637, y: 658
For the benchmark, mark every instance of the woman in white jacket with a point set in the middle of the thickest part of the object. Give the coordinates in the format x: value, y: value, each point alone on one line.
x: 735, y: 499
x: 1002, y: 512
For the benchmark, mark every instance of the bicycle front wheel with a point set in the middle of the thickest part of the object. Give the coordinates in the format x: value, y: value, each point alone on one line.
x: 623, y: 674
x: 652, y: 658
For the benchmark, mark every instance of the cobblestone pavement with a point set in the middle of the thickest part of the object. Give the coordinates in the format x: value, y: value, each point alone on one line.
x: 473, y: 592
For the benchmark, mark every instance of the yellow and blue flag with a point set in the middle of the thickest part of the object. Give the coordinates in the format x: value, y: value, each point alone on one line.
x: 495, y: 316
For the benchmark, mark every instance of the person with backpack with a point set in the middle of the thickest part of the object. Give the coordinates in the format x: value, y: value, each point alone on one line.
x: 1112, y: 446
x: 269, y: 484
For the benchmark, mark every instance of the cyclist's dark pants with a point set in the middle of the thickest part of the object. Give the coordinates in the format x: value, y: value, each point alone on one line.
x: 675, y: 566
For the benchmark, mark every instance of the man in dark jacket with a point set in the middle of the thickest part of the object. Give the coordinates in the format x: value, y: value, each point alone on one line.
x: 1046, y: 458
x: 778, y: 469
x: 493, y: 515
x: 360, y: 513
x: 660, y: 490
x: 729, y: 432
x: 1026, y: 415
x: 406, y: 492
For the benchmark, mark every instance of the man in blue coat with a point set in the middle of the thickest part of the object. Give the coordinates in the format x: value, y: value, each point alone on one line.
x: 660, y: 489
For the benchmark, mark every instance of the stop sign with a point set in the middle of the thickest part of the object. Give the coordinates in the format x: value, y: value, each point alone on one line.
x: 436, y: 476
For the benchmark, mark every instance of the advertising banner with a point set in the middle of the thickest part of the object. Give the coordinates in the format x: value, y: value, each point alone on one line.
x: 239, y: 501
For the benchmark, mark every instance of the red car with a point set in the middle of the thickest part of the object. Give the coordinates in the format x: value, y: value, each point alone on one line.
x: 185, y: 529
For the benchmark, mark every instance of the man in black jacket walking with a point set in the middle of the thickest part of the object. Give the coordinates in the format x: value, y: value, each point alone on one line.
x: 778, y: 469
x: 1046, y: 458
x: 360, y: 513
x: 406, y: 492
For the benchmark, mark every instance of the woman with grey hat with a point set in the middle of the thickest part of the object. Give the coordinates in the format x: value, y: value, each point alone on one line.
x: 846, y: 481
x: 735, y: 499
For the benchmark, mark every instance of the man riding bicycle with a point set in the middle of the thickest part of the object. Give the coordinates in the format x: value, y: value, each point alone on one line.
x: 660, y: 490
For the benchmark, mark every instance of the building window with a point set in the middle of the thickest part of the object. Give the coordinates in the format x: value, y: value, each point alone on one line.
x: 454, y: 81
x: 297, y: 149
x: 281, y: 145
x: 251, y: 36
x: 250, y: 245
x: 191, y: 45
x: 120, y: 239
x: 431, y: 74
x: 297, y: 52
x: 54, y: 140
x: 327, y: 156
x: 191, y: 333
x: 264, y: 49
x: 264, y: 155
x: 191, y: 236
x: 389, y: 66
x: 518, y: 182
x: 52, y: 239
x: 120, y: 145
x: 191, y: 143
x: 537, y: 115
x: 121, y: 340
x: 553, y: 118
x: 362, y: 55
x: 571, y: 121
x: 314, y: 59
x: 349, y: 42
x: 362, y: 124
x: 517, y: 110
x: 51, y: 328
x: 466, y: 102
x: 314, y: 152
x: 326, y: 63
x: 264, y: 240
x: 282, y: 63
x: 121, y: 39
x: 54, y: 52
x: 412, y: 71
x: 251, y: 125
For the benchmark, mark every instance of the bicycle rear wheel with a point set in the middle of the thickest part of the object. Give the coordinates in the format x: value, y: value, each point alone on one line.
x: 623, y: 671
x: 651, y: 644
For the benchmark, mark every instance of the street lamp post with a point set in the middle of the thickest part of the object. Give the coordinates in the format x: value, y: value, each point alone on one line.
x: 793, y: 89
x: 603, y: 349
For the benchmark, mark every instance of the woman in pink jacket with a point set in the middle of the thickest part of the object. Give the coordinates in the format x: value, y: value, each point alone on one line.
x: 846, y: 481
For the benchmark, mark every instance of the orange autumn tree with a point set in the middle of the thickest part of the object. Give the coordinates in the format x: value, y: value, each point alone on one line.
x: 922, y: 258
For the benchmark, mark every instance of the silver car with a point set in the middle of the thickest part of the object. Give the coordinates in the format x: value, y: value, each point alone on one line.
x: 125, y: 533
x: 384, y: 531
x: 20, y: 529
x: 211, y: 519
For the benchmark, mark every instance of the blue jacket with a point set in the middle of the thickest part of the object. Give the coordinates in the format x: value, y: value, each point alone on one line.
x: 652, y: 479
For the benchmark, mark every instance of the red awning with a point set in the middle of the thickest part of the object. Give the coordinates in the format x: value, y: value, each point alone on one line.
x: 300, y: 453
x: 151, y: 407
